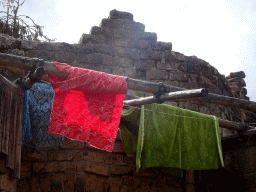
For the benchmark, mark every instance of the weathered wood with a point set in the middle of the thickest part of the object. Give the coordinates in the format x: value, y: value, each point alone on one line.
x: 2, y: 87
x: 30, y: 79
x: 228, y: 101
x: 5, y: 141
x: 150, y: 87
x: 12, y: 86
x: 168, y: 96
x: 27, y: 64
x: 5, y: 98
x: 233, y: 125
x: 17, y: 160
x: 14, y: 114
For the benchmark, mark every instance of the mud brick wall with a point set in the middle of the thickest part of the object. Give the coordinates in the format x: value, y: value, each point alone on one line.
x: 119, y: 46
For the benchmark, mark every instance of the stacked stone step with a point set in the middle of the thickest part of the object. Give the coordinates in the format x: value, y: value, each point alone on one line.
x: 237, y: 84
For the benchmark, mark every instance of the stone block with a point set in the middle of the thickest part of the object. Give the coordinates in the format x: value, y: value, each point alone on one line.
x: 131, y: 72
x: 239, y: 74
x: 169, y: 65
x: 107, y: 60
x: 95, y: 67
x: 129, y: 53
x: 51, y: 181
x: 133, y: 26
x: 121, y: 170
x: 80, y: 183
x: 59, y: 155
x: 238, y: 81
x: 67, y: 166
x: 95, y: 48
x: 69, y: 181
x: 123, y: 62
x: 161, y: 46
x: 153, y: 55
x: 72, y: 144
x: 111, y: 23
x: 97, y: 168
x: 106, y: 68
x: 172, y: 55
x: 105, y: 32
x: 118, y: 147
x: 106, y: 158
x: 114, y: 14
x: 147, y: 36
x: 178, y: 76
x: 120, y: 33
x: 7, y: 183
x: 145, y: 64
x: 157, y: 74
x: 27, y: 45
x: 52, y: 167
x: 39, y: 168
x: 62, y: 56
x: 7, y: 42
x: 139, y: 44
x: 91, y: 183
x: 91, y: 39
x: 119, y: 71
x: 89, y: 58
x: 203, y: 82
x: 104, y: 184
x: 120, y: 42
x: 33, y: 53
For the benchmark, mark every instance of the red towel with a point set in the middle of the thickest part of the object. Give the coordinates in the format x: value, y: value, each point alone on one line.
x: 87, y: 105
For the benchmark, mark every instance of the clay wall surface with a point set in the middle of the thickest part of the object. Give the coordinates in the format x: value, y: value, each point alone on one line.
x: 119, y: 46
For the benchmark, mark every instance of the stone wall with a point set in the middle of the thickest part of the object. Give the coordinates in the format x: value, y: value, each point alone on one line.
x: 119, y: 46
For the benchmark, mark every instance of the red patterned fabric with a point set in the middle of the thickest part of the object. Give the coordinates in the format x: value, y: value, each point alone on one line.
x: 87, y: 105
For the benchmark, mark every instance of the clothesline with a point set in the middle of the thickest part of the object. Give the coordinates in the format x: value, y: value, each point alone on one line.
x: 25, y: 63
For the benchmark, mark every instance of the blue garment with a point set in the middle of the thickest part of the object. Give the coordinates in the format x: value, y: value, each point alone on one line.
x: 37, y: 106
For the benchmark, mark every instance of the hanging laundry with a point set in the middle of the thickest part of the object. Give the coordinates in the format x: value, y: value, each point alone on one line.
x: 37, y: 105
x: 87, y: 105
x: 173, y: 137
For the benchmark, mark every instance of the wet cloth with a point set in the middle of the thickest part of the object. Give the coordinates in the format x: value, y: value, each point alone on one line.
x: 166, y: 140
x: 37, y: 105
x: 87, y: 105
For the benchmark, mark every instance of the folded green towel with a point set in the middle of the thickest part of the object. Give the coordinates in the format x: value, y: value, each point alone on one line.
x: 167, y: 139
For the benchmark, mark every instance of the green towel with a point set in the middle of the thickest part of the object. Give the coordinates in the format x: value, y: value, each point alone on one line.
x: 168, y: 139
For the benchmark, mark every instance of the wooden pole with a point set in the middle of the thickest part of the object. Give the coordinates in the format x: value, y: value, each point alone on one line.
x: 224, y: 100
x: 168, y: 96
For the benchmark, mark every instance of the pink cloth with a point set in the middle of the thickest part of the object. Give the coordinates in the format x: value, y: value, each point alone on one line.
x: 87, y: 105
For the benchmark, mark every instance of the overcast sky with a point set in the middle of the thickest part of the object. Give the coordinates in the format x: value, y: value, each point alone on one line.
x: 221, y: 32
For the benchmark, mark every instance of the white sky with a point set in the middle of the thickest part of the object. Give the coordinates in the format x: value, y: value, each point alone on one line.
x: 221, y: 32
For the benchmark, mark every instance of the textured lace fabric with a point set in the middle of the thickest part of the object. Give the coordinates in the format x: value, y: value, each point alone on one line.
x: 37, y: 105
x: 87, y: 105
